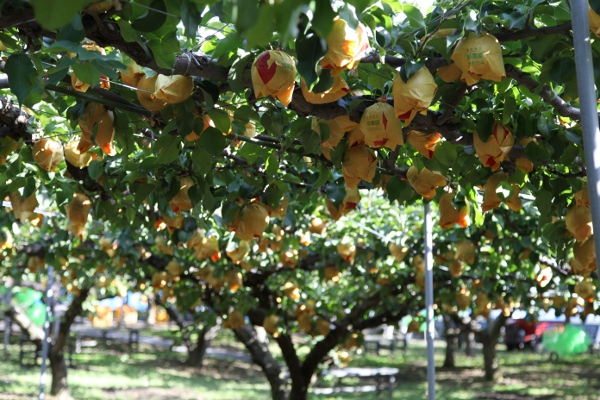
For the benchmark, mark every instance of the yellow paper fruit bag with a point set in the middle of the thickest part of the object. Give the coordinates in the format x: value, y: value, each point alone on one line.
x: 338, y: 89
x: 479, y: 57
x: 47, y: 154
x: 251, y: 221
x: 274, y: 74
x: 145, y: 94
x: 398, y: 252
x: 498, y: 145
x: 413, y: 96
x: 514, y: 202
x: 23, y: 209
x: 448, y: 213
x: 337, y: 128
x: 449, y: 73
x: 465, y: 250
x: 359, y: 163
x: 235, y: 320
x: 582, y: 197
x: 133, y: 75
x: 240, y: 252
x: 78, y: 209
x: 173, y: 89
x: 424, y: 142
x: 75, y: 157
x: 349, y: 203
x: 491, y: 199
x: 347, y: 252
x: 579, y: 222
x: 594, y: 21
x: 380, y: 126
x: 584, y: 257
x: 345, y: 47
x: 181, y: 201
x: 97, y: 115
x: 425, y: 182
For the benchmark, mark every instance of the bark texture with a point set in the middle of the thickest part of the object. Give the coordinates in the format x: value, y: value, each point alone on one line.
x: 263, y: 357
x: 489, y: 339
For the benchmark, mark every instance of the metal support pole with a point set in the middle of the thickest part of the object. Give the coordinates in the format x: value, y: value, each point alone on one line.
x: 46, y: 343
x: 589, y: 110
x: 430, y: 330
x: 7, y: 320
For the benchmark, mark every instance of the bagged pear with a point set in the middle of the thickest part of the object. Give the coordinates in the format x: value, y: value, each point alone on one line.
x: 359, y: 163
x: 413, y: 96
x: 337, y: 128
x: 274, y: 74
x: 425, y: 182
x: 492, y: 152
x: 146, y: 88
x: 579, y: 222
x: 133, y: 75
x: 338, y: 89
x: 250, y: 221
x: 173, y: 89
x: 380, y: 126
x: 424, y: 142
x: 181, y: 201
x: 345, y: 47
x: 479, y: 57
x: 448, y: 213
x: 349, y: 203
x: 96, y: 115
x: 47, y: 154
x: 75, y: 157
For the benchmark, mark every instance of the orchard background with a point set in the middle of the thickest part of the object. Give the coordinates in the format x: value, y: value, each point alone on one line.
x: 265, y: 164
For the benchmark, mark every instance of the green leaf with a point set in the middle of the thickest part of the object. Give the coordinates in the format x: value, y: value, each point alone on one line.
x: 202, y: 160
x: 87, y: 73
x: 153, y: 19
x: 309, y: 50
x: 348, y: 15
x: 168, y: 148
x: 595, y: 4
x: 54, y: 14
x: 20, y: 71
x: 164, y: 49
x: 73, y: 32
x: 95, y: 169
x: 272, y: 166
x: 262, y: 32
x: 399, y: 190
x: 213, y: 141
x: 485, y: 123
x: 143, y: 192
x: 562, y: 70
x: 221, y: 120
x: 324, y: 176
x: 190, y: 16
x: 236, y: 72
x: 445, y: 153
x: 414, y: 16
x: 323, y: 16
x: 245, y: 13
x: 337, y: 154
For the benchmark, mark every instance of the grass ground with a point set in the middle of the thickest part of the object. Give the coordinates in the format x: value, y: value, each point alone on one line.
x: 112, y: 373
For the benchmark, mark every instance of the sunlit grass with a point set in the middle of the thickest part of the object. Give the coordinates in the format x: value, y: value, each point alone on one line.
x: 111, y: 372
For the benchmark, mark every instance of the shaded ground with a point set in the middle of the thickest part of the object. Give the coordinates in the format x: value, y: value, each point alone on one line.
x: 111, y: 372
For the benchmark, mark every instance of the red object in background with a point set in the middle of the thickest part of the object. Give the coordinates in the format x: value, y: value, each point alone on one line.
x: 520, y: 332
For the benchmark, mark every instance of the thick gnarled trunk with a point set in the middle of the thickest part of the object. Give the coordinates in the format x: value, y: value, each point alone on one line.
x: 56, y: 355
x: 490, y: 360
x: 197, y: 351
x: 451, y: 334
x: 265, y: 360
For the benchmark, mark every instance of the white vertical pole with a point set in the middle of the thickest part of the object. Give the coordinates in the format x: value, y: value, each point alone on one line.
x: 589, y: 109
x: 430, y: 330
x: 7, y: 320
x: 46, y: 343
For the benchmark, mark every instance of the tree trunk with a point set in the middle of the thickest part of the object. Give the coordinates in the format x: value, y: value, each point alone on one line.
x: 469, y: 340
x: 196, y: 353
x: 58, y: 367
x: 490, y: 360
x: 489, y: 340
x: 451, y: 341
x: 299, y: 389
x: 56, y: 355
x: 263, y: 357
